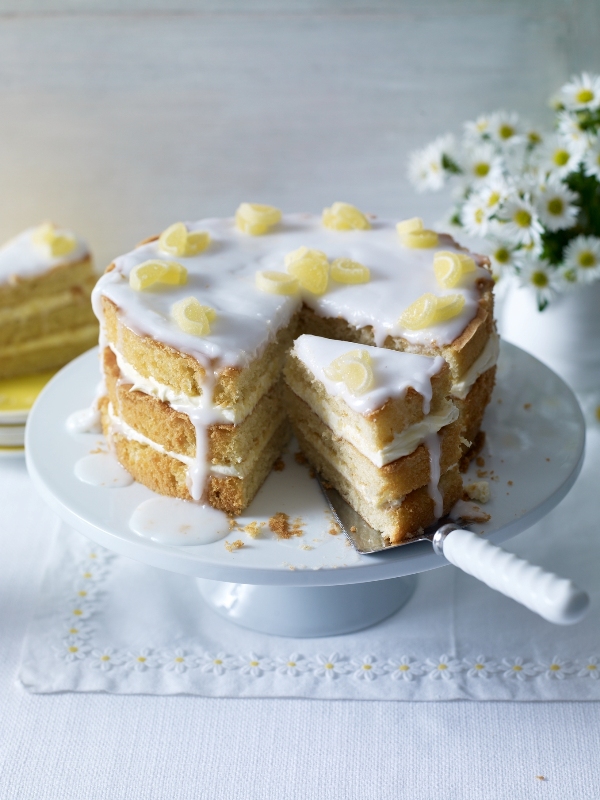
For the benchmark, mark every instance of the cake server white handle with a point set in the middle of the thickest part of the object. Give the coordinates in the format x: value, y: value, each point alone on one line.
x: 556, y: 599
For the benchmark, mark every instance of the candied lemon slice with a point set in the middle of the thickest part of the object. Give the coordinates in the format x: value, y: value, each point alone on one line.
x: 276, y: 282
x: 345, y: 217
x: 310, y: 267
x: 357, y: 376
x: 335, y: 370
x: 448, y: 268
x: 421, y: 313
x: 178, y: 241
x: 256, y: 219
x: 449, y: 306
x: 344, y: 270
x: 468, y: 264
x: 409, y: 225
x: 59, y: 243
x: 420, y: 239
x: 192, y: 317
x: 145, y: 275
x: 175, y: 274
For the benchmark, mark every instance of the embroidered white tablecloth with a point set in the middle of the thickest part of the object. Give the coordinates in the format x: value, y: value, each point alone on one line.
x: 106, y: 623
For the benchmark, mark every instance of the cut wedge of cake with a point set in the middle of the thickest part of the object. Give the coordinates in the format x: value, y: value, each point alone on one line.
x: 380, y: 426
x: 46, y: 318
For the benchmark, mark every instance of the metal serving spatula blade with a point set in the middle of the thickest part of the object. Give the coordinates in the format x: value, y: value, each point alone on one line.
x: 554, y: 598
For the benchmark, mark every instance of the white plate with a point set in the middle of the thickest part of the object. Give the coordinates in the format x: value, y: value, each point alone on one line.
x: 534, y: 451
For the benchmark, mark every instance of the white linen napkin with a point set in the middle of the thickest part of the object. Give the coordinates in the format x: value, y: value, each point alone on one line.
x: 105, y: 623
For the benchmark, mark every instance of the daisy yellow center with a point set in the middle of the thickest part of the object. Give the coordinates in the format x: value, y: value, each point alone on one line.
x: 479, y: 216
x: 403, y: 667
x: 73, y: 631
x: 82, y: 593
x: 517, y: 668
x: 570, y: 276
x: 502, y: 255
x: 367, y: 666
x: 434, y: 166
x: 522, y: 218
x: 93, y: 555
x: 556, y: 206
x: 479, y: 666
x: 217, y: 661
x: 506, y: 131
x: 586, y: 259
x: 534, y: 137
x: 329, y: 665
x: 73, y: 649
x: 104, y: 658
x: 539, y: 279
x: 141, y: 659
x: 555, y: 667
x: 560, y: 157
x: 481, y: 169
x: 443, y: 666
x: 584, y: 96
x: 291, y: 664
x: 87, y: 575
x: 254, y: 663
x: 179, y: 660
x: 592, y: 666
x: 77, y: 612
x: 493, y: 199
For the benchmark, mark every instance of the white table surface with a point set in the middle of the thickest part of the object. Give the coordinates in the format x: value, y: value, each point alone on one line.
x: 117, y: 119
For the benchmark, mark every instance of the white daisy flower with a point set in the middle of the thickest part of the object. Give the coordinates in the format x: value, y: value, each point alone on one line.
x: 581, y: 92
x: 475, y: 216
x: 254, y: 665
x: 478, y: 129
x: 480, y: 667
x: 141, y: 660
x: 534, y: 137
x: 591, y: 669
x: 75, y: 650
x: 425, y: 169
x: 481, y: 164
x: 76, y: 630
x: 106, y: 658
x: 494, y: 194
x: 403, y: 668
x: 365, y: 668
x: 217, y: 663
x: 557, y: 158
x: 583, y: 255
x: 177, y: 660
x: 558, y: 669
x: 445, y: 668
x: 573, y: 136
x: 566, y: 278
x: 505, y: 127
x: 518, y: 669
x: 521, y: 222
x: 329, y: 666
x: 555, y: 206
x: 78, y: 612
x: 540, y: 277
x: 591, y: 160
x: 502, y: 256
x: 293, y: 665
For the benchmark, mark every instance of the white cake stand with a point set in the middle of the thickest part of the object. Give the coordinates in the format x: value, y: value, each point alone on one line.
x: 315, y: 585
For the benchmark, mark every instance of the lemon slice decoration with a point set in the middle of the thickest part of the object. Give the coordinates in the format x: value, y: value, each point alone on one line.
x: 274, y: 282
x: 149, y: 273
x: 178, y: 241
x: 310, y: 268
x: 430, y: 309
x: 192, y: 317
x: 420, y: 239
x: 450, y: 268
x: 57, y: 243
x: 345, y: 217
x: 256, y: 219
x: 344, y: 270
x: 409, y: 225
x: 354, y: 369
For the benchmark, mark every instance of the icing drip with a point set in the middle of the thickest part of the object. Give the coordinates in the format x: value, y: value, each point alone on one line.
x: 433, y: 442
x: 176, y: 522
x: 102, y: 469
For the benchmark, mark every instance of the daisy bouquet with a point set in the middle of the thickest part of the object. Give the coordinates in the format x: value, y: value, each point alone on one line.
x: 534, y: 197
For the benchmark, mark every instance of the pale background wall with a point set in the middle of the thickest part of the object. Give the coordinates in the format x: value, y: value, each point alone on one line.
x: 117, y: 118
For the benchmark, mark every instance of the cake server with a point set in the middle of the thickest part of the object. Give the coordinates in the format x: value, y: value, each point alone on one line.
x: 554, y: 598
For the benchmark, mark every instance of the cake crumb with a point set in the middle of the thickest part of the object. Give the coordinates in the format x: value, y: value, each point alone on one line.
x: 510, y: 483
x: 480, y: 461
x: 312, y: 472
x: 233, y: 523
x: 541, y: 777
x: 280, y: 525
x: 547, y: 459
x: 279, y: 465
x: 98, y: 450
x: 231, y: 546
x: 482, y: 473
x: 478, y: 491
x: 300, y: 458
x: 305, y: 547
x: 352, y: 528
x: 326, y: 485
x: 253, y: 529
x: 472, y: 452
x: 527, y: 406
x: 334, y: 529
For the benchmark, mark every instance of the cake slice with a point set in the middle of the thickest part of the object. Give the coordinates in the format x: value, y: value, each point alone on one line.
x: 46, y: 317
x: 380, y: 426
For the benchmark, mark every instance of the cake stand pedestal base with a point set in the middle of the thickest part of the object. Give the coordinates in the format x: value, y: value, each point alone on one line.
x: 307, y: 612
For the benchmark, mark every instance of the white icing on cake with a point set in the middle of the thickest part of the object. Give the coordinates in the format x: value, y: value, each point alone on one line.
x: 486, y: 360
x: 21, y: 258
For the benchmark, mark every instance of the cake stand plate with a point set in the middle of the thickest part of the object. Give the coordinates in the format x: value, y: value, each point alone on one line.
x: 315, y: 584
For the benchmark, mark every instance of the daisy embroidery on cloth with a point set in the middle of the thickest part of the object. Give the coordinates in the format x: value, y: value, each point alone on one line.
x: 444, y: 667
x: 404, y: 668
x: 480, y: 667
x: 365, y: 668
x: 329, y: 666
x: 591, y: 669
x: 518, y: 668
x: 558, y: 669
x: 293, y: 665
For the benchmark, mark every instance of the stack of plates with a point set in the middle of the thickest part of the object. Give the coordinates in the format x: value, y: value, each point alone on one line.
x: 17, y: 395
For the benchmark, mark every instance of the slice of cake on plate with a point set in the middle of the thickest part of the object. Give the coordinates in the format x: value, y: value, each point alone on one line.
x: 46, y: 318
x: 196, y: 323
x: 380, y: 426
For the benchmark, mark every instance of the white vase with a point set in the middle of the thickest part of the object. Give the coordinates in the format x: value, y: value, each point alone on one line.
x: 566, y: 335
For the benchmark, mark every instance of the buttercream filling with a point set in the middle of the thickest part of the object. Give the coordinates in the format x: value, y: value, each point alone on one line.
x: 486, y: 360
